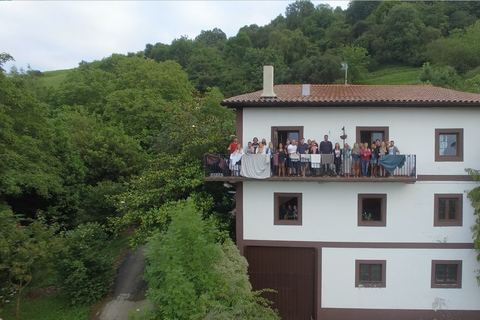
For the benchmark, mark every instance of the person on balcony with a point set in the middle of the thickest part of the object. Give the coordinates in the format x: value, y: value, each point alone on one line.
x: 233, y: 146
x: 255, y: 144
x: 347, y: 160
x: 392, y: 149
x: 270, y: 150
x: 365, y: 159
x: 260, y: 149
x: 292, y: 151
x: 337, y: 161
x: 281, y: 160
x: 326, y: 150
x: 374, y: 158
x: 249, y: 149
x: 302, y: 148
x: 356, y: 154
x: 382, y: 152
x: 236, y: 161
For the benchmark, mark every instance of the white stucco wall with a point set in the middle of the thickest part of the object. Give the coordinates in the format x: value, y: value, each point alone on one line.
x: 330, y: 212
x: 412, y: 129
x: 408, y: 280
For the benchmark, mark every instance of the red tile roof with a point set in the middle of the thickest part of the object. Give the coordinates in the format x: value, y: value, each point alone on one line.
x: 360, y: 95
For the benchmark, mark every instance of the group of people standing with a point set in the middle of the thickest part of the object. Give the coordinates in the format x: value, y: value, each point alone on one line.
x: 361, y: 160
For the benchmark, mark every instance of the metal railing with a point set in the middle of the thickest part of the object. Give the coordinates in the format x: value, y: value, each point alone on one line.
x: 219, y: 166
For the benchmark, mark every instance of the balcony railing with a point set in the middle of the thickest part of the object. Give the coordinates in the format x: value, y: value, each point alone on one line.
x: 260, y: 167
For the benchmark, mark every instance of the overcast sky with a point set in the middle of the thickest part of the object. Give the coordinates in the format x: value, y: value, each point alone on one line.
x: 53, y: 35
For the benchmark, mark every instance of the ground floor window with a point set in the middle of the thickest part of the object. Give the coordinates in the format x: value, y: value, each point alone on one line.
x: 372, y: 210
x: 446, y: 274
x: 287, y: 208
x: 370, y: 273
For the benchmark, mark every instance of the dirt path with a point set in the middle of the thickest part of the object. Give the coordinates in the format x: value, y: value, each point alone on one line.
x: 128, y: 294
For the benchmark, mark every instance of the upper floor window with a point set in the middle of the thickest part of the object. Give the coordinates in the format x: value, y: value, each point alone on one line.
x: 372, y: 210
x: 287, y: 208
x: 448, y: 209
x: 448, y: 144
x: 446, y: 274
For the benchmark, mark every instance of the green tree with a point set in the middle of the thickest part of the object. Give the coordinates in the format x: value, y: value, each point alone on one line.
x: 296, y: 12
x: 21, y: 249
x: 236, y: 47
x: 85, y: 273
x: 459, y: 50
x: 357, y: 59
x: 445, y: 76
x: 404, y: 35
x: 292, y: 44
x: 192, y: 276
x: 474, y: 196
x: 212, y: 38
x: 106, y: 151
x: 29, y: 169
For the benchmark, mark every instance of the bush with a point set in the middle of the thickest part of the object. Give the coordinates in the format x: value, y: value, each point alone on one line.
x: 85, y: 274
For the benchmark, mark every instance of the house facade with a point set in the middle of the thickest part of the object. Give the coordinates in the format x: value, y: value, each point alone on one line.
x: 415, y: 258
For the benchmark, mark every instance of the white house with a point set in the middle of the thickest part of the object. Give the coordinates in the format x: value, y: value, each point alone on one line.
x: 416, y: 258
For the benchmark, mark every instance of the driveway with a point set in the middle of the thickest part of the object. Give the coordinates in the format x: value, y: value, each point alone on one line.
x: 128, y: 294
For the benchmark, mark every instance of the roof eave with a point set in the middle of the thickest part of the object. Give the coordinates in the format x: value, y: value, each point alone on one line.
x: 412, y: 104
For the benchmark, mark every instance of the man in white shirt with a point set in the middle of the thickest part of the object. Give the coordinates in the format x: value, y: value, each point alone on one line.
x: 292, y: 149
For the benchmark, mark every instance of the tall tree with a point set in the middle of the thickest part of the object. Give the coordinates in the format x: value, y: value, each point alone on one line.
x: 192, y: 276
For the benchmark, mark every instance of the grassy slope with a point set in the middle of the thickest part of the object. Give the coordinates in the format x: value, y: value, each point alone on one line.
x: 392, y: 75
x: 54, y: 78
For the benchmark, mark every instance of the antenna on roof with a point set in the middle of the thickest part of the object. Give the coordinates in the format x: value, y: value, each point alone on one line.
x: 345, y: 67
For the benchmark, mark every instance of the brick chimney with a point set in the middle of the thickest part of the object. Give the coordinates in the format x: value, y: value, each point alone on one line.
x: 268, y: 82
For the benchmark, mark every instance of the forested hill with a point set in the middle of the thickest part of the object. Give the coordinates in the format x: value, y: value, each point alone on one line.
x: 307, y: 45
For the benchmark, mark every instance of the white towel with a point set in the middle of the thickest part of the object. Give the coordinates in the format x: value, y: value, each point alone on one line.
x: 315, y: 160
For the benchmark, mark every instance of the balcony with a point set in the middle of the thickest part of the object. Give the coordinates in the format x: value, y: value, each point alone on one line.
x: 258, y: 168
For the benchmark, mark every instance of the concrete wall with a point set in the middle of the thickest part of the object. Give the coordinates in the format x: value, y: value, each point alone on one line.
x: 330, y: 212
x: 408, y: 273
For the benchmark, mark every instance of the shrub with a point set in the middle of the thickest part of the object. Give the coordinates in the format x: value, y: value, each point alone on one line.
x: 85, y: 274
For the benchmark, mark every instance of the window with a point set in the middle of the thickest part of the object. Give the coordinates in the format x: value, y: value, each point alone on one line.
x: 372, y: 210
x: 446, y: 274
x: 448, y: 144
x: 448, y: 210
x: 370, y: 134
x: 288, y: 208
x: 282, y: 134
x: 370, y: 273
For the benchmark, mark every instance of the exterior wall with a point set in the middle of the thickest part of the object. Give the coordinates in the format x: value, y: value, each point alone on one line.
x: 412, y: 129
x: 408, y: 276
x: 330, y: 212
x: 409, y: 241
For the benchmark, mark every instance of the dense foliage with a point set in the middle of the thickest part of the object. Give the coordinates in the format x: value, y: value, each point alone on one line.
x: 192, y: 275
x: 85, y: 273
x: 474, y: 196
x: 119, y: 143
x: 308, y: 43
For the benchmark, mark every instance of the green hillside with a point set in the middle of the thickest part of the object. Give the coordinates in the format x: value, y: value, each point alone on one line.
x: 392, y: 76
x: 54, y: 78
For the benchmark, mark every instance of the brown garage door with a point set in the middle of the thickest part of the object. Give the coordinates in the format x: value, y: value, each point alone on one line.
x: 291, y: 272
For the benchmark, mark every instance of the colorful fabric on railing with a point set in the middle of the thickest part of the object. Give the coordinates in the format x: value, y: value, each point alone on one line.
x: 392, y: 161
x: 212, y: 159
